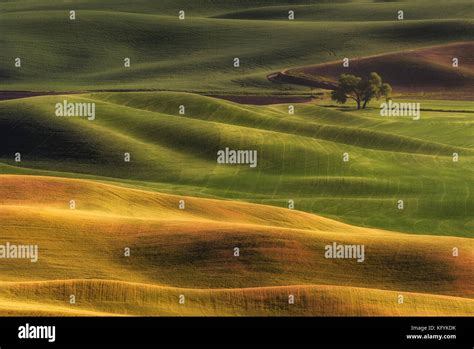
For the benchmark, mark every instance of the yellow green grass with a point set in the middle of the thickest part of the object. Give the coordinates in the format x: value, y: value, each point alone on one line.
x: 300, y: 156
x: 190, y: 252
x: 114, y: 298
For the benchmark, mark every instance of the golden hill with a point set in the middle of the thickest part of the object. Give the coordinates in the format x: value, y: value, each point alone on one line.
x: 190, y: 251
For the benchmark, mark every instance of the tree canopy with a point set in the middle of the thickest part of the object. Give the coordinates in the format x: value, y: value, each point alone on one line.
x: 361, y: 90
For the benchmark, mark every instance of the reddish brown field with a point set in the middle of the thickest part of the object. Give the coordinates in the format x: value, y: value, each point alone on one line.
x: 428, y: 70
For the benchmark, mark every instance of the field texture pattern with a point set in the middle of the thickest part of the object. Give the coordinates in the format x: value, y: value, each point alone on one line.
x: 183, y: 158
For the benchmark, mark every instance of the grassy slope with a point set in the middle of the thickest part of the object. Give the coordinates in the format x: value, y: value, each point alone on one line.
x: 282, y: 252
x: 221, y: 7
x: 300, y: 156
x: 426, y: 72
x: 167, y: 7
x: 358, y: 12
x: 111, y: 298
x: 197, y: 54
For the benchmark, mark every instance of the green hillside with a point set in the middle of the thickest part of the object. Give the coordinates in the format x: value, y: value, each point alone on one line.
x: 139, y: 235
x: 196, y: 55
x: 208, y: 8
x: 300, y: 157
x: 354, y: 11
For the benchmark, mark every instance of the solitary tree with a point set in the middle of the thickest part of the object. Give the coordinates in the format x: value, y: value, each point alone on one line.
x: 361, y: 90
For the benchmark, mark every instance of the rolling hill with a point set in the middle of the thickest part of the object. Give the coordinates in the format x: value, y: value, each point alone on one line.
x: 423, y: 71
x: 402, y: 188
x: 196, y: 54
x: 190, y: 252
x: 300, y: 155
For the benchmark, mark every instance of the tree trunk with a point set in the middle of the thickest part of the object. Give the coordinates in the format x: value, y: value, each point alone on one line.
x: 365, y: 104
x: 358, y: 104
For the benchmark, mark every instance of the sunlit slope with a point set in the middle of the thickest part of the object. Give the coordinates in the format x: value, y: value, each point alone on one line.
x: 192, y: 249
x: 300, y: 157
x: 195, y: 54
x: 111, y: 298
